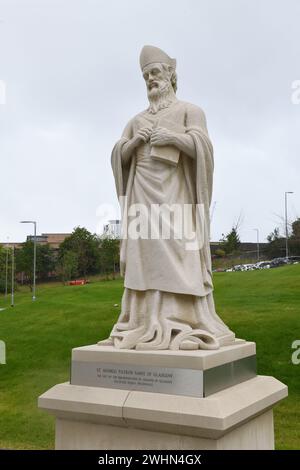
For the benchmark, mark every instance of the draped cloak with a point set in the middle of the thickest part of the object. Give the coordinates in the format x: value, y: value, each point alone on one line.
x: 167, y: 301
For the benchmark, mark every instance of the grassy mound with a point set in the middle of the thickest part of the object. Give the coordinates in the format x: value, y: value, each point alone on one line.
x: 260, y: 306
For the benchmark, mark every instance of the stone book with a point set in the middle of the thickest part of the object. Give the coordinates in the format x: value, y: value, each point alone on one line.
x: 167, y: 153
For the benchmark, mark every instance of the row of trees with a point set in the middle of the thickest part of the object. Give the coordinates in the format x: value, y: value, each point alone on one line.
x: 80, y: 255
x: 230, y: 244
x: 83, y: 253
x: 276, y: 245
x: 3, y: 273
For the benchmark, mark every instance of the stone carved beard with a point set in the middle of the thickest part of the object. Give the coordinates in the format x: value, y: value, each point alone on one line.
x: 161, y: 96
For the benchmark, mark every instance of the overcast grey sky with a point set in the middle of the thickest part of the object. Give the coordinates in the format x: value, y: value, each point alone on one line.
x: 73, y: 81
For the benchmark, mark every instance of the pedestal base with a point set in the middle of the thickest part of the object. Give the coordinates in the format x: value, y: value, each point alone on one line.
x: 239, y: 417
x: 255, y: 434
x: 191, y: 373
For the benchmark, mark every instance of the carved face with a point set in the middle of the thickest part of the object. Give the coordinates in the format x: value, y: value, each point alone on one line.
x: 157, y: 78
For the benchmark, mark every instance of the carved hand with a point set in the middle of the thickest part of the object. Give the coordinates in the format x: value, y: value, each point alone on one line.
x: 184, y: 142
x: 143, y: 135
x: 161, y: 136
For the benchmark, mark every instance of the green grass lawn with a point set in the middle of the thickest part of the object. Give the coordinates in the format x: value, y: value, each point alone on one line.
x: 260, y: 306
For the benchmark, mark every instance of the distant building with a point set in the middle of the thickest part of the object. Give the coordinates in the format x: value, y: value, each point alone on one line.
x: 245, y: 250
x: 112, y: 229
x: 52, y: 239
x: 11, y: 244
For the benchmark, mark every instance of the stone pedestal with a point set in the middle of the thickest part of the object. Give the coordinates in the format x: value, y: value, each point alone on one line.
x: 126, y: 399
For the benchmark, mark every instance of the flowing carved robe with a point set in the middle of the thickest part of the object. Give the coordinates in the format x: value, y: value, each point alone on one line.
x: 168, y: 297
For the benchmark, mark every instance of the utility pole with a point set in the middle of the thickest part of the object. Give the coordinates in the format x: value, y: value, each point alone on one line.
x: 6, y: 269
x: 257, y: 243
x: 34, y: 256
x: 286, y: 223
x: 12, y: 277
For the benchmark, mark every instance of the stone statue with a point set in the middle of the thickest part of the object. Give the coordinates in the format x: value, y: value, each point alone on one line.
x: 165, y: 159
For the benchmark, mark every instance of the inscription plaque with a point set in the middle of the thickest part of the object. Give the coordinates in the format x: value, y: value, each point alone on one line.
x: 132, y: 377
x: 171, y: 380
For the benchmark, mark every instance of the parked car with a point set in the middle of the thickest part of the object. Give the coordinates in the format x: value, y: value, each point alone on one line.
x: 263, y: 265
x: 274, y: 263
x: 78, y: 282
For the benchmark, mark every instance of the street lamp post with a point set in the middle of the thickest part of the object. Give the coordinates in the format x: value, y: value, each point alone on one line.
x: 257, y: 242
x: 286, y: 224
x: 6, y: 269
x: 34, y: 256
x: 12, y: 276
